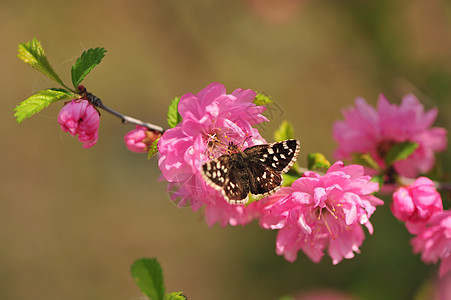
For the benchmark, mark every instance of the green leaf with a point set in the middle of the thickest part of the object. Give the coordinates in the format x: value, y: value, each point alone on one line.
x: 379, y: 179
x: 85, y: 63
x: 284, y: 132
x: 33, y: 54
x: 148, y: 276
x: 317, y: 160
x: 39, y: 101
x: 153, y: 149
x: 365, y: 159
x: 400, y: 151
x: 252, y: 198
x: 262, y: 99
x: 173, y: 114
x: 289, y: 178
x: 175, y: 296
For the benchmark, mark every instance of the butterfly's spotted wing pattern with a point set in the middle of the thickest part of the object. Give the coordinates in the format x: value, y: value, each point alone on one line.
x: 257, y: 169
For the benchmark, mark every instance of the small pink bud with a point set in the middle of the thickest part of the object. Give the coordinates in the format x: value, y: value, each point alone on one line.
x: 415, y: 204
x: 80, y: 117
x: 139, y: 139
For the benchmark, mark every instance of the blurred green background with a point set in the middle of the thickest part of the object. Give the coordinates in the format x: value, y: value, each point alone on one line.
x: 73, y: 220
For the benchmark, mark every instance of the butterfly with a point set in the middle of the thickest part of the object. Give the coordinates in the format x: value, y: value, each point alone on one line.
x: 257, y: 169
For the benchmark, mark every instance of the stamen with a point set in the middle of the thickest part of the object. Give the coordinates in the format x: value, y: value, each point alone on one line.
x: 331, y: 211
x: 328, y: 228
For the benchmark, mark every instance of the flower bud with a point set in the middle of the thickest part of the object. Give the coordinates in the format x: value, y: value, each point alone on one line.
x: 415, y: 204
x: 139, y: 139
x: 80, y: 117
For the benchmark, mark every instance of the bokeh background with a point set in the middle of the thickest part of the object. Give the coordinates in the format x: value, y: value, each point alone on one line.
x: 72, y: 221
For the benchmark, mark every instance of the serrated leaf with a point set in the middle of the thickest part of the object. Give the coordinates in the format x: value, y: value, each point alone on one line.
x: 153, y: 149
x: 262, y: 99
x: 173, y: 114
x: 284, y: 132
x: 365, y: 159
x: 400, y: 151
x: 148, y: 277
x: 33, y: 54
x: 317, y: 160
x: 85, y: 63
x: 39, y: 101
x: 175, y: 296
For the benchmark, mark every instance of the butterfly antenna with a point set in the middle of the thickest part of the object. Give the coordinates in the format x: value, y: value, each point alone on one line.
x: 248, y: 136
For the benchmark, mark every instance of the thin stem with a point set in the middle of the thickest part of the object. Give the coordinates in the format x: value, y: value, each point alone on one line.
x: 126, y: 119
x: 94, y: 100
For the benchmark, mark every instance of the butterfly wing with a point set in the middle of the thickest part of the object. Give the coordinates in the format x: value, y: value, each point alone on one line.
x: 278, y: 156
x: 262, y: 180
x: 223, y: 175
x: 216, y: 171
x: 260, y: 172
x: 236, y: 187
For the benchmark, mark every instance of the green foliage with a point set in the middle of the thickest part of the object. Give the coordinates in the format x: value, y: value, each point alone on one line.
x: 289, y: 178
x: 148, y: 276
x: 153, y: 149
x: 317, y: 160
x: 175, y: 296
x: 365, y: 159
x: 400, y: 151
x: 284, y: 132
x: 39, y: 101
x: 173, y: 114
x: 262, y: 99
x: 33, y: 54
x: 85, y: 63
x: 379, y: 179
x: 252, y: 198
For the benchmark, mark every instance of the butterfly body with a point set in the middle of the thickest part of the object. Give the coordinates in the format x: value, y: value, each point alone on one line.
x: 257, y: 169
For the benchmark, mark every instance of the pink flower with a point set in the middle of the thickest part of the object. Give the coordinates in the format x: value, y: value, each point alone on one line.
x: 319, y: 212
x: 139, y: 139
x: 80, y: 117
x: 366, y: 130
x: 434, y: 242
x: 210, y: 120
x: 416, y: 203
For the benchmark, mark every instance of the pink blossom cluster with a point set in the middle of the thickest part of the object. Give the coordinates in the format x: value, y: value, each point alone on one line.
x: 322, y: 212
x: 317, y: 213
x: 367, y: 130
x: 211, y: 119
x: 419, y: 205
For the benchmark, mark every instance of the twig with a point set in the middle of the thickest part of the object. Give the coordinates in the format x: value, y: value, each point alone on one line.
x: 94, y: 100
